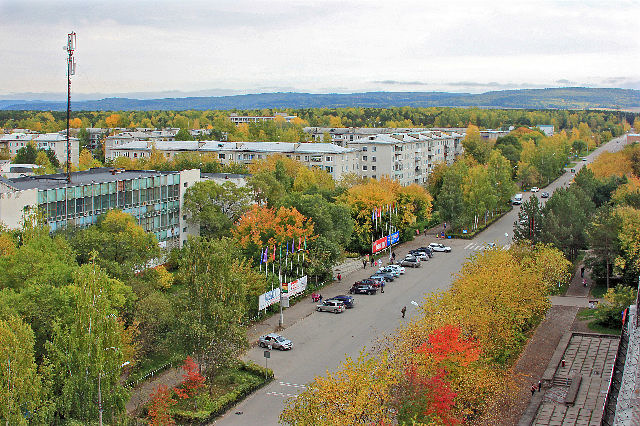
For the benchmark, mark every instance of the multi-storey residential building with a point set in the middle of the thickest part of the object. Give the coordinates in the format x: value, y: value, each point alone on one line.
x: 336, y: 160
x: 406, y: 157
x: 122, y: 138
x: 344, y: 135
x: 154, y: 198
x: 238, y: 119
x: 55, y: 142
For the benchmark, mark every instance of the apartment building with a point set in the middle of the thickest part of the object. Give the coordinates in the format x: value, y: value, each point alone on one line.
x: 406, y: 157
x: 154, y: 198
x: 238, y: 119
x: 55, y: 142
x: 336, y: 160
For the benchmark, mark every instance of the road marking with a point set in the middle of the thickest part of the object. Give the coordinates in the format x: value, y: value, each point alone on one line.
x: 468, y: 245
x: 284, y: 395
x: 293, y: 385
x: 506, y: 246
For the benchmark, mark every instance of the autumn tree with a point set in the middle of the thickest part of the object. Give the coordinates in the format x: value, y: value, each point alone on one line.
x: 360, y: 392
x: 219, y: 287
x: 216, y: 207
x: 160, y: 405
x: 476, y: 146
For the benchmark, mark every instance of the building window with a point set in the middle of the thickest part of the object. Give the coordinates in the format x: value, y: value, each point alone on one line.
x: 373, y: 176
x: 185, y: 184
x: 329, y: 169
x: 364, y: 149
x: 373, y: 159
x: 364, y: 167
x: 364, y: 158
x: 373, y: 167
x: 328, y: 159
x: 373, y: 149
x: 184, y: 229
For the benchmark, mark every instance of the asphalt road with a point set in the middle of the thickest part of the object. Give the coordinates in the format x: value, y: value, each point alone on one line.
x: 323, y: 340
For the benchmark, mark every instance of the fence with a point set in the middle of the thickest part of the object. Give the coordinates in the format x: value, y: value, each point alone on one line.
x: 134, y: 383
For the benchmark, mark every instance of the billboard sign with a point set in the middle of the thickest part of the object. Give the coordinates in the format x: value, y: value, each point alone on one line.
x: 394, y: 238
x: 269, y: 298
x: 296, y: 287
x: 378, y: 245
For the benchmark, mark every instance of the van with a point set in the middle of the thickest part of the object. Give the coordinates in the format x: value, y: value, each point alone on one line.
x: 517, y: 199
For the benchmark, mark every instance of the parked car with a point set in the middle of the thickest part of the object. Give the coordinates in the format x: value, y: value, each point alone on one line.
x: 398, y: 268
x: 440, y: 247
x: 275, y: 341
x: 544, y: 195
x: 385, y: 276
x: 334, y: 306
x: 363, y: 289
x: 389, y: 270
x: 348, y: 301
x: 427, y: 250
x: 377, y: 282
x: 535, y: 189
x: 419, y: 254
x: 489, y: 246
x: 584, y: 158
x: 410, y: 261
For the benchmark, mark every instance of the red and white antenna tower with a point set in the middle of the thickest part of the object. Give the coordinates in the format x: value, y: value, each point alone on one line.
x: 71, y: 70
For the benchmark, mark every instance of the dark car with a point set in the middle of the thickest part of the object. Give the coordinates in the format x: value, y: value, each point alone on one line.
x: 369, y: 281
x: 427, y: 250
x: 544, y: 195
x: 348, y: 301
x: 422, y: 255
x: 363, y: 289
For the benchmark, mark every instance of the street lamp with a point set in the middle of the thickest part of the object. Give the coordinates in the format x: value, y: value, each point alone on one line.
x: 100, y: 374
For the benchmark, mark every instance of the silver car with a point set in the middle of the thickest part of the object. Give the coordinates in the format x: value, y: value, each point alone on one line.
x: 275, y: 341
x: 334, y: 306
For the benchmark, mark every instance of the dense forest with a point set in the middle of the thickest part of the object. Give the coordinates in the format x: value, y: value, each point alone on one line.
x: 565, y: 97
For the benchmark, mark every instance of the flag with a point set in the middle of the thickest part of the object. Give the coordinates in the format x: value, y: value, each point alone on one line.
x: 274, y: 253
x: 305, y: 242
x: 373, y: 215
x: 293, y: 244
x: 299, y: 243
x: 280, y: 255
x: 264, y: 255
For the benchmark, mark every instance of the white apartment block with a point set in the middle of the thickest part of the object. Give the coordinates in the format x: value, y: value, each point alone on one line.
x: 336, y: 160
x: 406, y: 157
x: 238, y: 119
x: 55, y: 142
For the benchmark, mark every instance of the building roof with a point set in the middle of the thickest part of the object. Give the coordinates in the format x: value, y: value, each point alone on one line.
x: 215, y: 146
x: 86, y: 177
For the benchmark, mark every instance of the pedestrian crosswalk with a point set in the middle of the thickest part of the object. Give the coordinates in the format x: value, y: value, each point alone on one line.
x: 285, y: 394
x: 484, y: 246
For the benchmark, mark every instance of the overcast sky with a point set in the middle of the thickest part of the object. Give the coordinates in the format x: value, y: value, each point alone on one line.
x: 219, y: 47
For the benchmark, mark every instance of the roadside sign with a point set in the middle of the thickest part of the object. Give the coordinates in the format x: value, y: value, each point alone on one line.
x: 267, y: 354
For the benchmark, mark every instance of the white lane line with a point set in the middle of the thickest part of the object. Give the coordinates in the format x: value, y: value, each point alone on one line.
x: 294, y: 385
x: 284, y: 395
x: 468, y: 245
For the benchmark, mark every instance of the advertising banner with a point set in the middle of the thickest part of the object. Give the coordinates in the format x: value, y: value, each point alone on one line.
x: 296, y: 287
x: 378, y: 245
x: 394, y: 238
x: 268, y: 298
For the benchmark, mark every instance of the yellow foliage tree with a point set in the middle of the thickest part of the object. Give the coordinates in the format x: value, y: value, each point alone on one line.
x: 86, y: 160
x: 610, y: 164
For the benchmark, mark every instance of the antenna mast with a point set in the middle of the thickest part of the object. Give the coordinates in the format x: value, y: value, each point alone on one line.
x: 71, y: 70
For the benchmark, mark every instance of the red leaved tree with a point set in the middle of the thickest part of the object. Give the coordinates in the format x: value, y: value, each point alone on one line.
x: 193, y: 381
x: 161, y: 402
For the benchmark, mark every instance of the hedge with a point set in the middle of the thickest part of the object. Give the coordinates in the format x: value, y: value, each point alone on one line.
x: 217, y: 407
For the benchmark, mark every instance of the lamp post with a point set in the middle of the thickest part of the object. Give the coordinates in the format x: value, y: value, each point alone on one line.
x: 100, y: 374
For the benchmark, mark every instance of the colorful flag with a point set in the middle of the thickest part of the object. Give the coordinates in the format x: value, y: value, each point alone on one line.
x: 264, y: 255
x: 274, y: 253
x: 373, y: 215
x: 305, y: 242
x: 293, y: 244
x: 299, y: 243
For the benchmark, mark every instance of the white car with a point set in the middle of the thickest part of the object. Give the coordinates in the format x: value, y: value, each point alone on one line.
x: 535, y: 189
x: 398, y: 268
x: 440, y: 247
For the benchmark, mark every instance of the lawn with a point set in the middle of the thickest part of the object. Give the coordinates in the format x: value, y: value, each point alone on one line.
x: 587, y: 314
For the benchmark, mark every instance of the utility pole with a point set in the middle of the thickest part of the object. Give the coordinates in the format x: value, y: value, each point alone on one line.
x: 71, y: 70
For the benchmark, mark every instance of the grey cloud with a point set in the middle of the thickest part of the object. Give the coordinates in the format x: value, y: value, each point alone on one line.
x: 401, y: 83
x: 565, y: 81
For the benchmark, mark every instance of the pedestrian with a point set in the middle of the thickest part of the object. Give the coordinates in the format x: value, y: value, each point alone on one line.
x: 382, y: 287
x: 584, y: 282
x: 364, y: 263
x: 339, y: 277
x: 533, y: 390
x: 539, y: 385
x: 393, y: 255
x: 582, y: 272
x: 403, y: 310
x: 372, y: 262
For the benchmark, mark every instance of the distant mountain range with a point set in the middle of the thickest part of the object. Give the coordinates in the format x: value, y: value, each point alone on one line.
x: 563, y: 98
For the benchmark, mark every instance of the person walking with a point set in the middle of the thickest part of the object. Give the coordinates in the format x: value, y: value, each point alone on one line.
x: 339, y: 277
x: 364, y: 263
x: 403, y: 310
x: 539, y: 385
x: 582, y: 272
x: 533, y: 390
x: 382, y: 287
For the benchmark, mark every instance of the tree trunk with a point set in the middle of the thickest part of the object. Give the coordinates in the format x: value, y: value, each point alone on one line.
x: 607, y: 273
